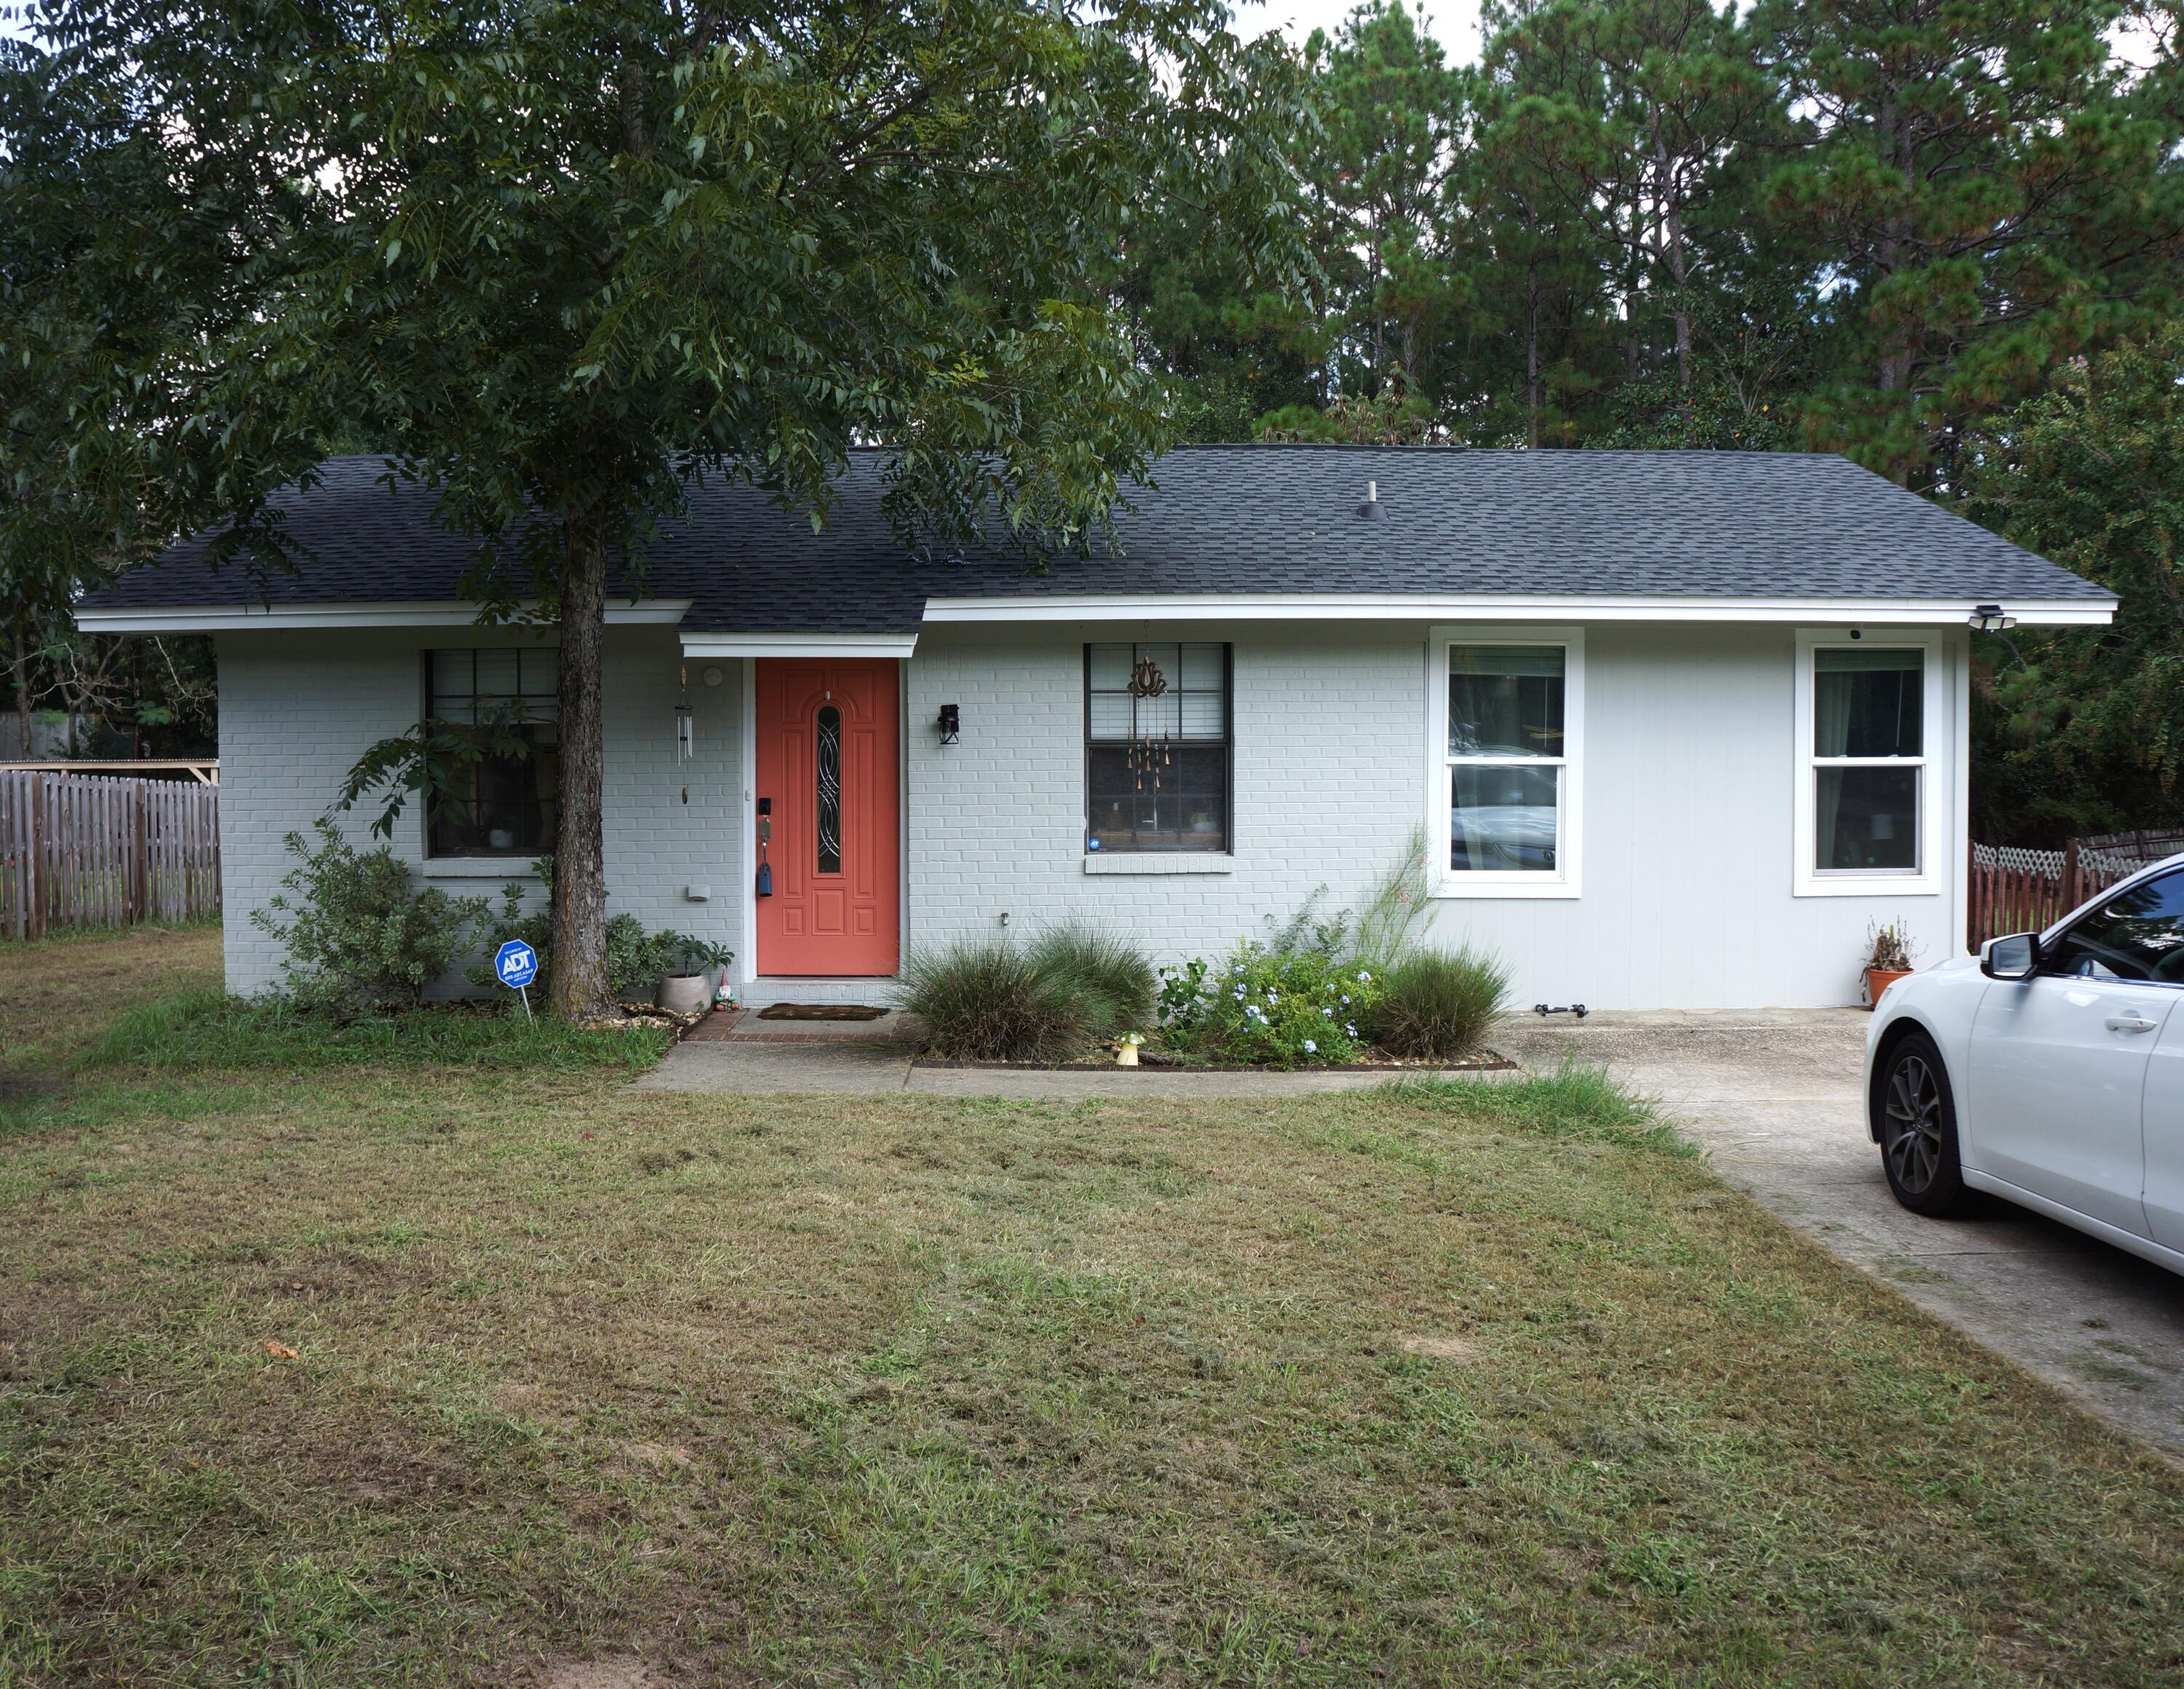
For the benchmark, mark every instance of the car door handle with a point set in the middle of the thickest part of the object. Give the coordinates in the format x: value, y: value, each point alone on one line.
x: 2130, y: 1023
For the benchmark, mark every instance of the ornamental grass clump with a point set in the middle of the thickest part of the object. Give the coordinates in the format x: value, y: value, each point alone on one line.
x: 1113, y: 975
x: 1437, y: 1005
x: 994, y: 1001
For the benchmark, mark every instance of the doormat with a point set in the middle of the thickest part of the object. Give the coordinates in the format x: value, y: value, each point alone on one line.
x: 820, y: 1012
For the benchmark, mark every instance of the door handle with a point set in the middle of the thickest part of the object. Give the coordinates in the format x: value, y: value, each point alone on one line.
x: 2129, y: 1023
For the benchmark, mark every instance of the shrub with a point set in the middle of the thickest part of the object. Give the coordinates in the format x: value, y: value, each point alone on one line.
x: 1272, y: 1006
x: 991, y: 1001
x: 636, y: 959
x: 1113, y: 975
x: 358, y: 938
x: 1438, y: 1004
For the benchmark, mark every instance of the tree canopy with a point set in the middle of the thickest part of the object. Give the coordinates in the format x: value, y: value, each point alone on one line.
x: 559, y: 259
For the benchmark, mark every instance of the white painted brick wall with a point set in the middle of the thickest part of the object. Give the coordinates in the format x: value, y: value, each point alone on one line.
x: 1689, y: 764
x: 296, y: 710
x: 1328, y: 741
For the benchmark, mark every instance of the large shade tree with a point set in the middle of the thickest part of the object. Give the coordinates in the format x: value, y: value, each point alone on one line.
x: 560, y: 258
x: 1989, y: 187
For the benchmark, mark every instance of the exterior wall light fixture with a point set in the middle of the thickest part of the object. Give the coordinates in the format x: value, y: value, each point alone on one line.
x: 951, y: 723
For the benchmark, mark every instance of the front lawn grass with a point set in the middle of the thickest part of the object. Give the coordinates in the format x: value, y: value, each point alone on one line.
x: 1468, y: 1382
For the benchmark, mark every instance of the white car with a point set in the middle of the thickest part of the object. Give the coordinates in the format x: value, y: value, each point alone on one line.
x: 2049, y: 1070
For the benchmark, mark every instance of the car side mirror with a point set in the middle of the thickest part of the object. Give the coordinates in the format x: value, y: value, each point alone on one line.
x: 2016, y: 958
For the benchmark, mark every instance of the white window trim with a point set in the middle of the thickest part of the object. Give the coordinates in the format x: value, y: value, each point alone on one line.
x: 1935, y: 776
x: 1564, y: 881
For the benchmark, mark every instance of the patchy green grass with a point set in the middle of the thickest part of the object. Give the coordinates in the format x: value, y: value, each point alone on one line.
x: 57, y: 992
x: 1462, y: 1383
x: 195, y: 1030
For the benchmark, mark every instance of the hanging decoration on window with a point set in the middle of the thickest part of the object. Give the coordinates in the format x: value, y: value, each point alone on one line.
x: 1148, y: 756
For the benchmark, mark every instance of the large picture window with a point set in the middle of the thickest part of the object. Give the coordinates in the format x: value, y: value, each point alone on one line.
x: 1504, y: 760
x: 498, y: 805
x: 1156, y: 747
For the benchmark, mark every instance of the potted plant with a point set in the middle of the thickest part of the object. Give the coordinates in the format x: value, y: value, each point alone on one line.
x: 691, y: 992
x: 1889, y: 951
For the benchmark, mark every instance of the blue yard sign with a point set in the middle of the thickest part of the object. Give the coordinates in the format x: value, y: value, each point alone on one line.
x: 516, y: 965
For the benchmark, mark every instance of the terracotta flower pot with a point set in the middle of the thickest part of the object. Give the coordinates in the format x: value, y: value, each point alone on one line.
x: 1878, y: 979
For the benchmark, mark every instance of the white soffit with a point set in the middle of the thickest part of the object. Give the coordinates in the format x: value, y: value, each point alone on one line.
x: 228, y: 618
x: 799, y: 644
x: 1573, y: 608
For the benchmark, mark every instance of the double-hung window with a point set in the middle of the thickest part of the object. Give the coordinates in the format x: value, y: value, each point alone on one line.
x: 1156, y: 747
x: 495, y: 805
x: 1866, y: 709
x: 1508, y: 706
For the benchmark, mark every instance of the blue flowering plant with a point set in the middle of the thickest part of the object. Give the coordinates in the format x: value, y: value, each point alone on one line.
x: 1270, y: 1006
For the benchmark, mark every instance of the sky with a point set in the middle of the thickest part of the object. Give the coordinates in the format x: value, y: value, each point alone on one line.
x: 1453, y: 23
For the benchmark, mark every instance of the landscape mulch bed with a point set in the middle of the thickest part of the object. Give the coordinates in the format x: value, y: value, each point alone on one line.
x: 1489, y: 1063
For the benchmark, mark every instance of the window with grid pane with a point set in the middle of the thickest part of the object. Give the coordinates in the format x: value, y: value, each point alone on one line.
x: 1868, y: 758
x: 1156, y: 746
x: 1506, y: 761
x: 497, y: 805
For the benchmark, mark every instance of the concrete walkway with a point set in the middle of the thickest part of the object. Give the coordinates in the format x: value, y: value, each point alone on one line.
x: 1773, y: 1098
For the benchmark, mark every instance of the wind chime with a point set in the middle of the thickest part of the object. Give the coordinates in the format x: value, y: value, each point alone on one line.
x: 1149, y: 757
x: 686, y: 737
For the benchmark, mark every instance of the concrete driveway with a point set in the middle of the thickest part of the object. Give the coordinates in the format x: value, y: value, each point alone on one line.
x: 1773, y: 1096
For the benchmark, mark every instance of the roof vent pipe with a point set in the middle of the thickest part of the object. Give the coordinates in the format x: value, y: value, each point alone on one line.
x: 1370, y: 509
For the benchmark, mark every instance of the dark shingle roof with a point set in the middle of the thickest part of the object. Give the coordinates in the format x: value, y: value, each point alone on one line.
x: 1228, y: 519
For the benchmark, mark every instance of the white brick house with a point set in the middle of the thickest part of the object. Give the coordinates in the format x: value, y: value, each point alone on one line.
x: 1680, y: 725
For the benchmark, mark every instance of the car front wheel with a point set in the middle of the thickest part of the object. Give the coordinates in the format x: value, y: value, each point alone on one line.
x: 1915, y: 1118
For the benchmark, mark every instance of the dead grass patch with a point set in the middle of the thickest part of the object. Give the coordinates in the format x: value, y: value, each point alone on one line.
x: 1454, y: 1349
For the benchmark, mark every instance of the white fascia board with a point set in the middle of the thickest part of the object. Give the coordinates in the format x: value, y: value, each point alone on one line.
x: 799, y: 644
x: 1477, y: 607
x: 229, y: 618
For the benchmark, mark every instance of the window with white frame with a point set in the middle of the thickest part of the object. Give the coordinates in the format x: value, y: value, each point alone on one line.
x: 1876, y: 781
x: 1507, y: 749
x: 1868, y: 755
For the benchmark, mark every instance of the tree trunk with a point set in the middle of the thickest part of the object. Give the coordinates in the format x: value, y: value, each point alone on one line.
x: 579, y: 988
x: 1670, y: 200
x: 1532, y: 355
x: 1892, y: 251
x: 23, y: 692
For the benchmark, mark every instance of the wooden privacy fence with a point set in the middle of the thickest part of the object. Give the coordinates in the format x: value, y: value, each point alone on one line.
x: 103, y: 850
x: 2018, y: 890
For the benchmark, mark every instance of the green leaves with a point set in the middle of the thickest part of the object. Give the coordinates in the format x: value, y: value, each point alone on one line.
x: 2082, y: 731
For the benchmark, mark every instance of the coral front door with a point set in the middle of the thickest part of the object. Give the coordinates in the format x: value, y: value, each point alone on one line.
x: 829, y: 774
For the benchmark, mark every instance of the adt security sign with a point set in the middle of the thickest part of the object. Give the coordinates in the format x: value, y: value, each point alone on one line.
x: 515, y: 964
